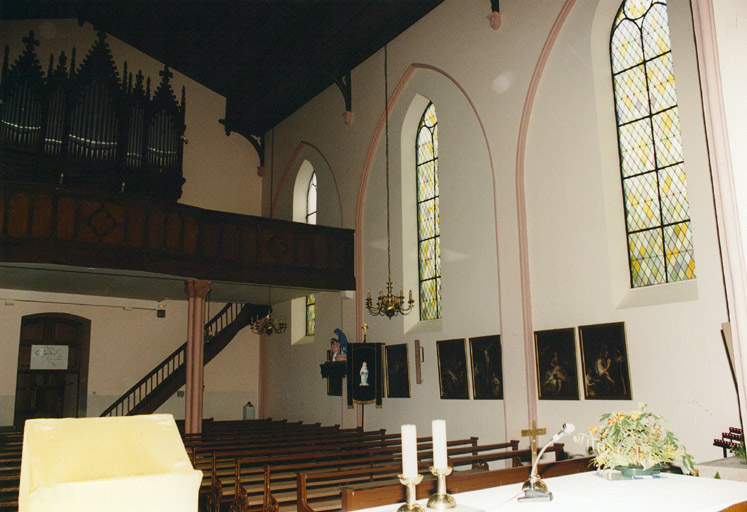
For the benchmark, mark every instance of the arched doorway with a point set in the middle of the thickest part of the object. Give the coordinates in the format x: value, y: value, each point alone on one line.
x: 52, y: 380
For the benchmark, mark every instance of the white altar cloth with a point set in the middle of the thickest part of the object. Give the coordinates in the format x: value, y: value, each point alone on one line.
x: 732, y: 468
x: 589, y: 492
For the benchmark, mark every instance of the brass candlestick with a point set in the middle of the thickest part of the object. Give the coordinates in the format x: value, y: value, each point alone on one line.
x: 441, y: 500
x: 410, y: 482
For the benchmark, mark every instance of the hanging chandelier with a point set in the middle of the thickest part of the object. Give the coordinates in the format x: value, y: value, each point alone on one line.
x: 388, y: 305
x: 266, y: 324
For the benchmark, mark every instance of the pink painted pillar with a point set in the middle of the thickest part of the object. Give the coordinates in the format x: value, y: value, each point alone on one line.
x: 263, y: 376
x: 196, y: 290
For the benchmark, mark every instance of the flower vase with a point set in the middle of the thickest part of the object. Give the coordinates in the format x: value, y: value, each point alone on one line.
x: 638, y: 471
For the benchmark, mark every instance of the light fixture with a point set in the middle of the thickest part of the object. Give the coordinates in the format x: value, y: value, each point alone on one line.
x: 388, y: 305
x: 267, y: 324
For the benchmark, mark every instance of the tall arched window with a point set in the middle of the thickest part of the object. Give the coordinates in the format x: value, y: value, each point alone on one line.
x: 311, y: 200
x: 311, y: 219
x: 657, y: 217
x: 429, y: 235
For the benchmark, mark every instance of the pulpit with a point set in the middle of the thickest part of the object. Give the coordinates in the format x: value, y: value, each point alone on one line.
x: 111, y: 463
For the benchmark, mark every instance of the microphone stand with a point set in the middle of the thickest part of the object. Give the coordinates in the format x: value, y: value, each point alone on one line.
x: 535, y: 489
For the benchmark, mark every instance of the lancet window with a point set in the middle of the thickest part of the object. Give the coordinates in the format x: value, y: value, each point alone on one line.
x: 429, y: 233
x: 657, y: 214
x: 311, y: 219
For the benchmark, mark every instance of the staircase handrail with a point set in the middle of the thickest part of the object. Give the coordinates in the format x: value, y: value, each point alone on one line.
x: 132, y: 398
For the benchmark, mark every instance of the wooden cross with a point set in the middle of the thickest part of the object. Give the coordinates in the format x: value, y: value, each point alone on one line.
x: 532, y: 433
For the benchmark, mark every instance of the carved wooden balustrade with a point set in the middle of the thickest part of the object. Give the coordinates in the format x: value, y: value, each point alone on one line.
x: 91, y: 167
x: 50, y: 225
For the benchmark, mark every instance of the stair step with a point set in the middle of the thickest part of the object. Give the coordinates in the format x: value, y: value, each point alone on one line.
x: 231, y: 319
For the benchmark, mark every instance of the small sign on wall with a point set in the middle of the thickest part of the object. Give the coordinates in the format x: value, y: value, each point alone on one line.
x: 49, y: 357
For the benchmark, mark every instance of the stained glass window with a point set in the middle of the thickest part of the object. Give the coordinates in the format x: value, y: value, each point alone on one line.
x: 311, y: 219
x: 310, y: 314
x: 429, y: 234
x: 657, y: 217
x: 311, y: 200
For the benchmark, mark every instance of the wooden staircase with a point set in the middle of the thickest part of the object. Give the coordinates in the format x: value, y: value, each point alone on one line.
x: 165, y: 379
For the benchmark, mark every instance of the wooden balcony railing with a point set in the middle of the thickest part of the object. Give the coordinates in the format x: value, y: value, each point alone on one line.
x: 44, y: 224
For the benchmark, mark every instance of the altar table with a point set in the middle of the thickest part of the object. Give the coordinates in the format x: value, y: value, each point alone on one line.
x: 590, y: 492
x: 732, y: 468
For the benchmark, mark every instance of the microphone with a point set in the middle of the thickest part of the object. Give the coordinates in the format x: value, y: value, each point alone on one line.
x: 568, y: 429
x: 535, y: 488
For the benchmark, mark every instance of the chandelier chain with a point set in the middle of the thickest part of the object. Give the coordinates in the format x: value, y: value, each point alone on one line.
x: 386, y: 151
x: 388, y: 305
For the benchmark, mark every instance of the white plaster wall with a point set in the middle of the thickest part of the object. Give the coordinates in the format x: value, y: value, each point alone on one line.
x: 467, y: 243
x: 575, y: 223
x: 231, y: 380
x: 730, y: 17
x: 302, y: 395
x: 127, y: 341
x: 577, y: 238
x: 468, y: 225
x: 220, y: 171
x: 296, y: 390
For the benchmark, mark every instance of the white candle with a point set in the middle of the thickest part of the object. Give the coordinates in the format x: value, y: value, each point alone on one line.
x: 439, y: 444
x: 409, y: 451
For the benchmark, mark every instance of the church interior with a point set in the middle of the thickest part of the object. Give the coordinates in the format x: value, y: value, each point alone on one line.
x: 548, y: 192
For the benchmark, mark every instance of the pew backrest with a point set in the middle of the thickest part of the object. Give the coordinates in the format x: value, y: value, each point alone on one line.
x: 360, y: 497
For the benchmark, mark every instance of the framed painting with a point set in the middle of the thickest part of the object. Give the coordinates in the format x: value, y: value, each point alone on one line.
x: 397, y: 371
x: 487, y: 367
x: 452, y: 369
x: 557, y: 374
x: 605, y: 362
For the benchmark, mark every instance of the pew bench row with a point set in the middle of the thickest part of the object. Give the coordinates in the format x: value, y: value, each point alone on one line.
x: 316, y: 486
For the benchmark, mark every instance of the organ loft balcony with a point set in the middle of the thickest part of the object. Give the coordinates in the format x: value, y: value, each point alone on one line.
x: 90, y: 175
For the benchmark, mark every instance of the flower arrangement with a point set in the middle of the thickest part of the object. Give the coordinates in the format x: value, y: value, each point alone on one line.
x: 638, y: 438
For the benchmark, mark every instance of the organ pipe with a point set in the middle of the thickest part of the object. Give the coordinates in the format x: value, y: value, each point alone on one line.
x: 108, y: 133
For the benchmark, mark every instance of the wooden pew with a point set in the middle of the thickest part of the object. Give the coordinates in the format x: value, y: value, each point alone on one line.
x: 360, y: 497
x: 319, y: 491
x: 209, y: 424
x: 206, y: 442
x: 251, y: 473
x: 222, y: 462
x: 316, y: 492
x: 204, y: 448
x: 203, y: 451
x: 11, y: 445
x: 248, y: 435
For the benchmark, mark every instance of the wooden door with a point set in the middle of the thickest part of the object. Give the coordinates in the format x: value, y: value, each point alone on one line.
x: 52, y: 367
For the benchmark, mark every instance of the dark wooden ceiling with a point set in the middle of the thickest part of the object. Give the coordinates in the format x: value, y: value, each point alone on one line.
x: 267, y: 57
